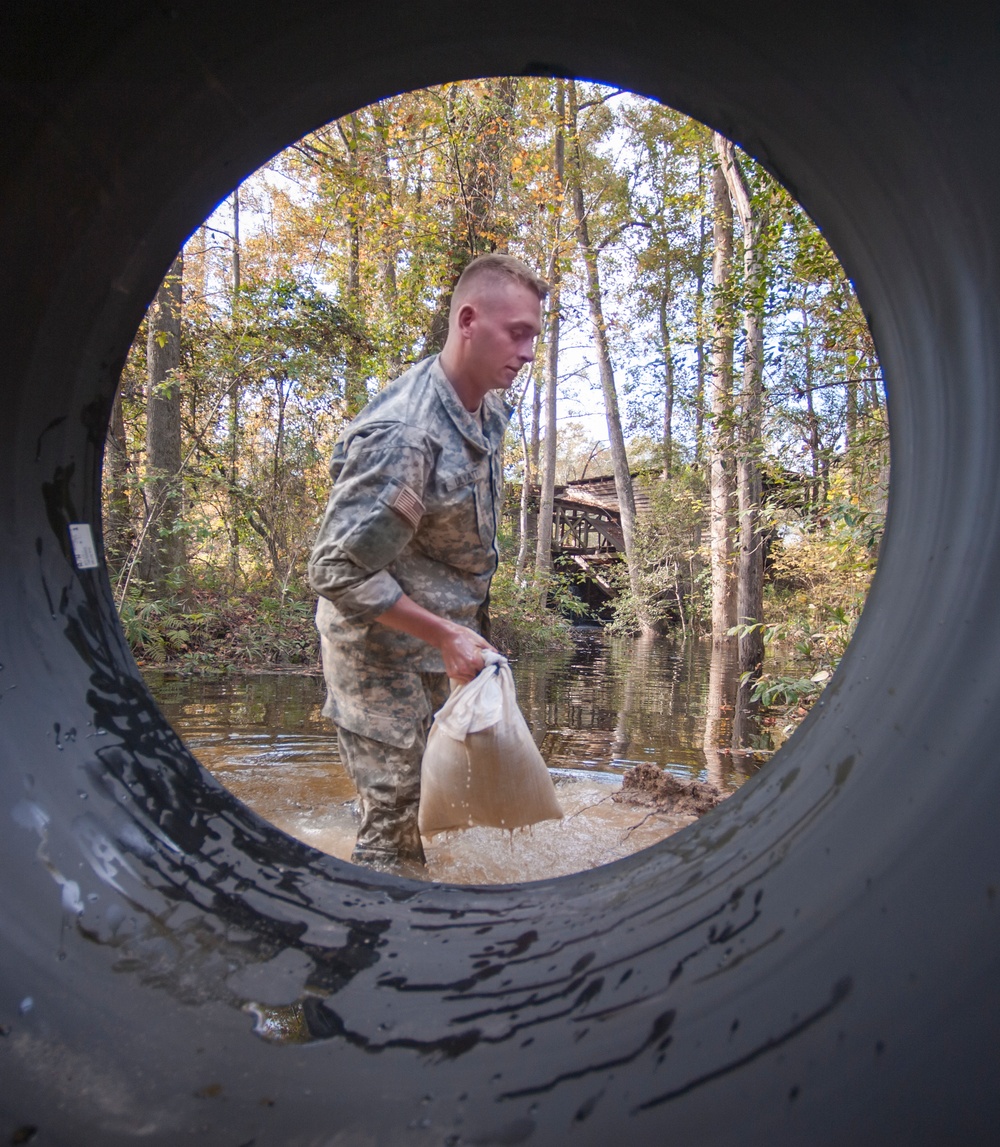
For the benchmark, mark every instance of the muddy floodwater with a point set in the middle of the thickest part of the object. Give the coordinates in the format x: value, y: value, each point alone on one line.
x: 596, y: 710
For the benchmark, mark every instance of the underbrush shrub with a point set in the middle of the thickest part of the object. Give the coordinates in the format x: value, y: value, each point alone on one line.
x: 818, y: 582
x: 521, y: 623
x: 213, y: 630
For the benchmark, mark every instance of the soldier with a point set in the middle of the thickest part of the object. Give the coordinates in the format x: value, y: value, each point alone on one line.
x: 408, y: 547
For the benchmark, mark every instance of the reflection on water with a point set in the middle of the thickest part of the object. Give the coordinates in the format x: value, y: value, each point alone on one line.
x: 594, y: 710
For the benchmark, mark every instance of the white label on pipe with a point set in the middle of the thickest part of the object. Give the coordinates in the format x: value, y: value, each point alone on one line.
x: 84, y: 553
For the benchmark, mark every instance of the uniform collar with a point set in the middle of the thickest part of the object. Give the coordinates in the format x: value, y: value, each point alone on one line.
x: 496, y: 412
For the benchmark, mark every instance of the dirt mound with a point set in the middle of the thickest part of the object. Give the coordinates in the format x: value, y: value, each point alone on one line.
x: 651, y: 787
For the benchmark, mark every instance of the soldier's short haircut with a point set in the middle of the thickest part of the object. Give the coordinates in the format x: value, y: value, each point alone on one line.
x: 499, y: 268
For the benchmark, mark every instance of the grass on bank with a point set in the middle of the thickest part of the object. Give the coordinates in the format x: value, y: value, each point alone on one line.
x: 211, y: 629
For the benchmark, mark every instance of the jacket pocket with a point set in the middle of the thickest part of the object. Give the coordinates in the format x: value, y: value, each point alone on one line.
x: 458, y: 527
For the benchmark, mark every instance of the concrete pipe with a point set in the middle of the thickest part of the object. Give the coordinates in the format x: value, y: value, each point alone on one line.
x: 816, y: 962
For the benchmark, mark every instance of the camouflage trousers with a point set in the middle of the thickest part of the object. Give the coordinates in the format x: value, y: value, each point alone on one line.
x: 387, y: 777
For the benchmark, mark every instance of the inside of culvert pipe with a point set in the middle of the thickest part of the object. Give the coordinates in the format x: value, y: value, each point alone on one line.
x: 815, y: 962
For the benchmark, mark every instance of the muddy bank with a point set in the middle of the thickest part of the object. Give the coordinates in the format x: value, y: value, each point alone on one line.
x: 648, y: 786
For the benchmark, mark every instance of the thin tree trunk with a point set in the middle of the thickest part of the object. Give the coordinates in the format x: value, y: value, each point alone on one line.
x: 547, y: 484
x: 534, y: 451
x: 196, y: 267
x: 388, y: 246
x: 355, y: 391
x: 234, y: 408
x: 522, y: 541
x: 720, y: 449
x: 619, y: 458
x: 668, y: 375
x: 874, y: 405
x: 236, y: 241
x: 699, y: 346
x: 163, y: 547
x: 851, y: 422
x: 488, y: 179
x: 546, y: 499
x: 234, y: 469
x: 385, y: 205
x: 750, y: 573
x: 118, y: 525
x: 195, y: 289
x: 535, y: 442
x: 699, y: 327
x: 816, y: 498
x: 503, y: 109
x: 851, y: 431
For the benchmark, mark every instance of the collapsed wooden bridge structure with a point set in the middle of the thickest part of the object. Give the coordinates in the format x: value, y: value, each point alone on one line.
x: 587, y: 526
x: 587, y: 532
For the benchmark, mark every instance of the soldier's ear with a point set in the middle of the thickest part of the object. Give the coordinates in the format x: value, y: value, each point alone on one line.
x: 467, y: 315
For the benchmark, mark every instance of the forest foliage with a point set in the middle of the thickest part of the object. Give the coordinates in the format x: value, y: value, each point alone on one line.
x: 330, y: 270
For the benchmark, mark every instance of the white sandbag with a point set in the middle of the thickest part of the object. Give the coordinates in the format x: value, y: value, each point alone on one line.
x: 481, y: 766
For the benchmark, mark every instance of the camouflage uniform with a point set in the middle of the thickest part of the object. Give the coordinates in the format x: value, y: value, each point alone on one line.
x: 414, y: 509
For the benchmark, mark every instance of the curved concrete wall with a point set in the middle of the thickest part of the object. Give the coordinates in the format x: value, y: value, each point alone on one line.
x: 816, y: 962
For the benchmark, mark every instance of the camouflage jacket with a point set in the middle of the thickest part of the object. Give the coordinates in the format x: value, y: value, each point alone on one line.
x: 415, y: 505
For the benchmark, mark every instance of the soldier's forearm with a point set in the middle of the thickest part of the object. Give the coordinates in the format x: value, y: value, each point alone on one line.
x: 460, y: 647
x: 409, y: 617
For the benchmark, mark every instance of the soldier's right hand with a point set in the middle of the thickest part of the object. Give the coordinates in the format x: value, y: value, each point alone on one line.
x: 462, y: 651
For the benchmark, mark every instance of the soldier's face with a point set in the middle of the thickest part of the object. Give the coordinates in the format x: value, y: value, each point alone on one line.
x: 501, y: 334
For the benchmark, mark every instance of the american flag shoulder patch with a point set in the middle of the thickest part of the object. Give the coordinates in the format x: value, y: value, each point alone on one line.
x: 406, y: 504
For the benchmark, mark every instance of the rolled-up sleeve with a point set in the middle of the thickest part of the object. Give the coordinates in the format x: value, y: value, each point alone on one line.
x: 374, y: 510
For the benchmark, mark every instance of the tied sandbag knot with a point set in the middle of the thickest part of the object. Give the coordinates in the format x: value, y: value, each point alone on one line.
x: 477, y: 705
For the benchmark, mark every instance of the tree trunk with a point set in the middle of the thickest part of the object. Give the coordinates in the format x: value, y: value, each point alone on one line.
x: 355, y: 390
x: 720, y: 435
x: 196, y: 260
x: 851, y: 429
x: 118, y: 532
x: 487, y: 178
x: 750, y: 573
x: 546, y: 499
x: 163, y: 546
x: 387, y: 248
x: 616, y: 439
x: 535, y: 441
x: 236, y: 241
x: 547, y: 483
x: 523, y: 508
x: 234, y: 408
x: 385, y: 200
x: 699, y: 327
x: 817, y: 487
x: 483, y: 179
x: 535, y: 452
x: 668, y: 375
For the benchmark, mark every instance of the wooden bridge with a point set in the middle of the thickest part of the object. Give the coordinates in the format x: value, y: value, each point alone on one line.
x: 587, y: 530
x: 587, y: 525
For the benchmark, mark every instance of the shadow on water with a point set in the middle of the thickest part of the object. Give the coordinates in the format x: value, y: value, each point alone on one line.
x: 595, y: 710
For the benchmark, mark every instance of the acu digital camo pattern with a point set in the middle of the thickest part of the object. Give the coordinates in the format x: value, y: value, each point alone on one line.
x: 414, y: 509
x: 388, y: 778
